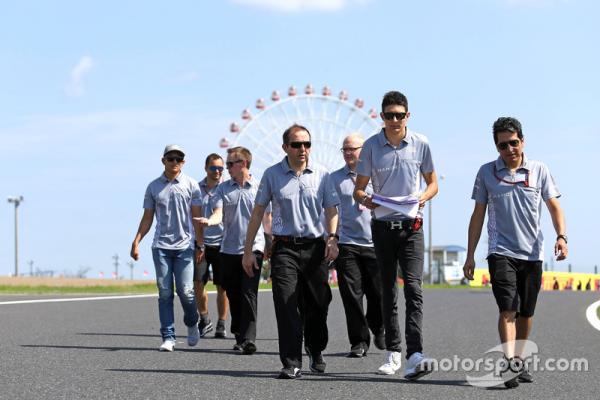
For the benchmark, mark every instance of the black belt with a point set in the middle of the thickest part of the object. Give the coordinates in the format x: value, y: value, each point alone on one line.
x: 400, y: 225
x: 207, y: 246
x: 295, y: 239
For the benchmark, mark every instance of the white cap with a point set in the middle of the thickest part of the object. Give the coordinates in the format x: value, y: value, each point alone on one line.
x: 173, y: 147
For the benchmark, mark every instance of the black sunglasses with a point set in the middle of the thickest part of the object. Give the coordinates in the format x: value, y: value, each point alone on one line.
x: 215, y: 168
x: 349, y: 149
x: 232, y: 163
x: 176, y: 159
x: 297, y: 145
x: 390, y: 115
x: 512, y: 143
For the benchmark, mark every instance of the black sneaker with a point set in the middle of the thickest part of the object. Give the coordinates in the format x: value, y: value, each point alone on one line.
x: 205, y: 326
x: 237, y: 347
x: 379, y: 340
x: 525, y: 376
x: 248, y: 348
x: 220, y: 332
x: 511, y: 370
x: 358, y: 351
x: 316, y: 362
x: 290, y: 373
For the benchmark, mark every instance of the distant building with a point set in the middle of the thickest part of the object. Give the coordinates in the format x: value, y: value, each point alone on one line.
x: 447, y: 263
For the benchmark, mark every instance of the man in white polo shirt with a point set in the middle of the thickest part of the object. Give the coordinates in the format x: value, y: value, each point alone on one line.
x: 512, y: 188
x: 175, y: 200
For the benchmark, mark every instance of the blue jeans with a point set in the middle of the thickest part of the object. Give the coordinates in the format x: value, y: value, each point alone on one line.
x: 177, y: 263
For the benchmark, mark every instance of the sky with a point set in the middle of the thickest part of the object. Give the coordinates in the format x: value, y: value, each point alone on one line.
x: 91, y: 93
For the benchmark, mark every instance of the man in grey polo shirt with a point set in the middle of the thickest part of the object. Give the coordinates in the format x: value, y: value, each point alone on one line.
x: 175, y: 200
x: 213, y: 235
x: 512, y: 188
x: 297, y: 191
x: 394, y: 160
x: 356, y: 265
x: 232, y: 205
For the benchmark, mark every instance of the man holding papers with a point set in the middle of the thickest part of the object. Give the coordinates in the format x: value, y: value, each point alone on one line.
x: 394, y: 160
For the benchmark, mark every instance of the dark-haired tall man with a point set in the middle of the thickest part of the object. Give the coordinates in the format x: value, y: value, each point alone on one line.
x: 395, y: 160
x: 298, y: 193
x: 212, y: 246
x: 514, y: 188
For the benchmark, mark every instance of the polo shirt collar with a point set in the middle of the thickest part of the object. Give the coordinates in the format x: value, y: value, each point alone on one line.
x: 526, y: 165
x: 249, y: 182
x: 383, y: 140
x: 348, y: 171
x: 164, y: 178
x: 286, y: 166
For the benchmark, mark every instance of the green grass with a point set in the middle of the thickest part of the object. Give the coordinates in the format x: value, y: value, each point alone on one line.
x: 144, y: 288
x: 598, y: 312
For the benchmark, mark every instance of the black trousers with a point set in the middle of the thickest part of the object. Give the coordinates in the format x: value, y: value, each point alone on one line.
x: 242, y: 293
x: 405, y: 248
x: 358, y: 277
x: 301, y: 296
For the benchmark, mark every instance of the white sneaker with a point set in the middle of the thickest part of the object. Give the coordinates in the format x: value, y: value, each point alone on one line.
x: 193, y: 335
x: 393, y: 361
x: 417, y: 366
x: 167, y: 345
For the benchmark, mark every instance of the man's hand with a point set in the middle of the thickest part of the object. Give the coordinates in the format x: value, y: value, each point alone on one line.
x: 561, y: 250
x: 249, y: 264
x: 469, y: 268
x: 199, y: 255
x: 331, y: 249
x: 134, y: 253
x: 422, y: 201
x: 368, y: 202
x: 203, y: 221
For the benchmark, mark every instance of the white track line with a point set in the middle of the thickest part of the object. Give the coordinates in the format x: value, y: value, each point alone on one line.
x: 592, y: 316
x: 63, y: 300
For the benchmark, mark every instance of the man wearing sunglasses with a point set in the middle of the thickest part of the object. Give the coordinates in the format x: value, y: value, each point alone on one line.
x: 175, y: 199
x: 299, y: 195
x: 514, y: 187
x: 395, y: 160
x: 212, y: 246
x: 232, y: 206
x: 356, y: 265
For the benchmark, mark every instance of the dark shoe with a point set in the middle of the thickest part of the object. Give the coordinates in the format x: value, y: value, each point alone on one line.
x: 379, y: 341
x: 315, y: 361
x: 510, y: 373
x: 237, y: 347
x: 248, y: 348
x: 358, y: 351
x: 525, y: 376
x: 290, y: 373
x: 205, y: 326
x: 220, y: 332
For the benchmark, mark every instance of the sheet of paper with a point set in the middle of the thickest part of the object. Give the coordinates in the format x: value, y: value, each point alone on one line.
x: 405, y: 205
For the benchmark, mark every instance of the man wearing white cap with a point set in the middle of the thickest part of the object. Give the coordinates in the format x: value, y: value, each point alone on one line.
x: 175, y: 199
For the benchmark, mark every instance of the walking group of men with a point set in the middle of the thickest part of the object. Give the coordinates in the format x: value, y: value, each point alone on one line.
x: 314, y: 218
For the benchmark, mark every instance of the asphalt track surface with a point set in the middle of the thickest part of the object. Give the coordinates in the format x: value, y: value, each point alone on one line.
x: 107, y: 349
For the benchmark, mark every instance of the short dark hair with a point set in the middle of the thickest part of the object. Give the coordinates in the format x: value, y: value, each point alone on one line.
x: 394, y: 98
x: 292, y: 129
x: 243, y: 152
x: 507, y: 124
x: 212, y: 156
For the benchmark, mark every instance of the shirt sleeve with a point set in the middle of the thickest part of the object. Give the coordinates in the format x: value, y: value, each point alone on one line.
x: 427, y: 161
x: 149, y: 202
x: 265, y: 190
x: 364, y: 165
x: 196, y: 194
x: 216, y: 201
x: 480, y: 193
x: 549, y: 187
x: 327, y: 192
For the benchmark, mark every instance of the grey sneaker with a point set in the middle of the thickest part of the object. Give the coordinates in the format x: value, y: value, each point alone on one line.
x: 193, y: 335
x: 221, y: 332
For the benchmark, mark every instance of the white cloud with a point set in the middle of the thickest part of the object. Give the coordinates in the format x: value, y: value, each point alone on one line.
x: 76, y: 86
x: 292, y: 6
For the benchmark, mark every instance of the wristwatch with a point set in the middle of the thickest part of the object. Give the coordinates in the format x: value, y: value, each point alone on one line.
x: 563, y: 237
x: 364, y: 199
x: 334, y: 235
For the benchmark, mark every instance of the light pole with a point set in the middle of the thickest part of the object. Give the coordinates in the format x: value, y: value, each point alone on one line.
x: 430, y: 239
x: 116, y: 264
x: 16, y: 200
x: 131, y: 264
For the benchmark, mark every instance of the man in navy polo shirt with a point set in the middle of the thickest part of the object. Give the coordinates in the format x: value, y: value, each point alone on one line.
x: 297, y: 191
x: 395, y: 160
x: 175, y: 200
x: 356, y: 265
x: 512, y: 188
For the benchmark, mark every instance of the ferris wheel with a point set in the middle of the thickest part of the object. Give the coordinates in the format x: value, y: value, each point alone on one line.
x: 328, y: 118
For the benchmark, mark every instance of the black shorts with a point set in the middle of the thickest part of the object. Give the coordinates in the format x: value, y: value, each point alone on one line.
x: 515, y: 283
x: 211, y: 257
